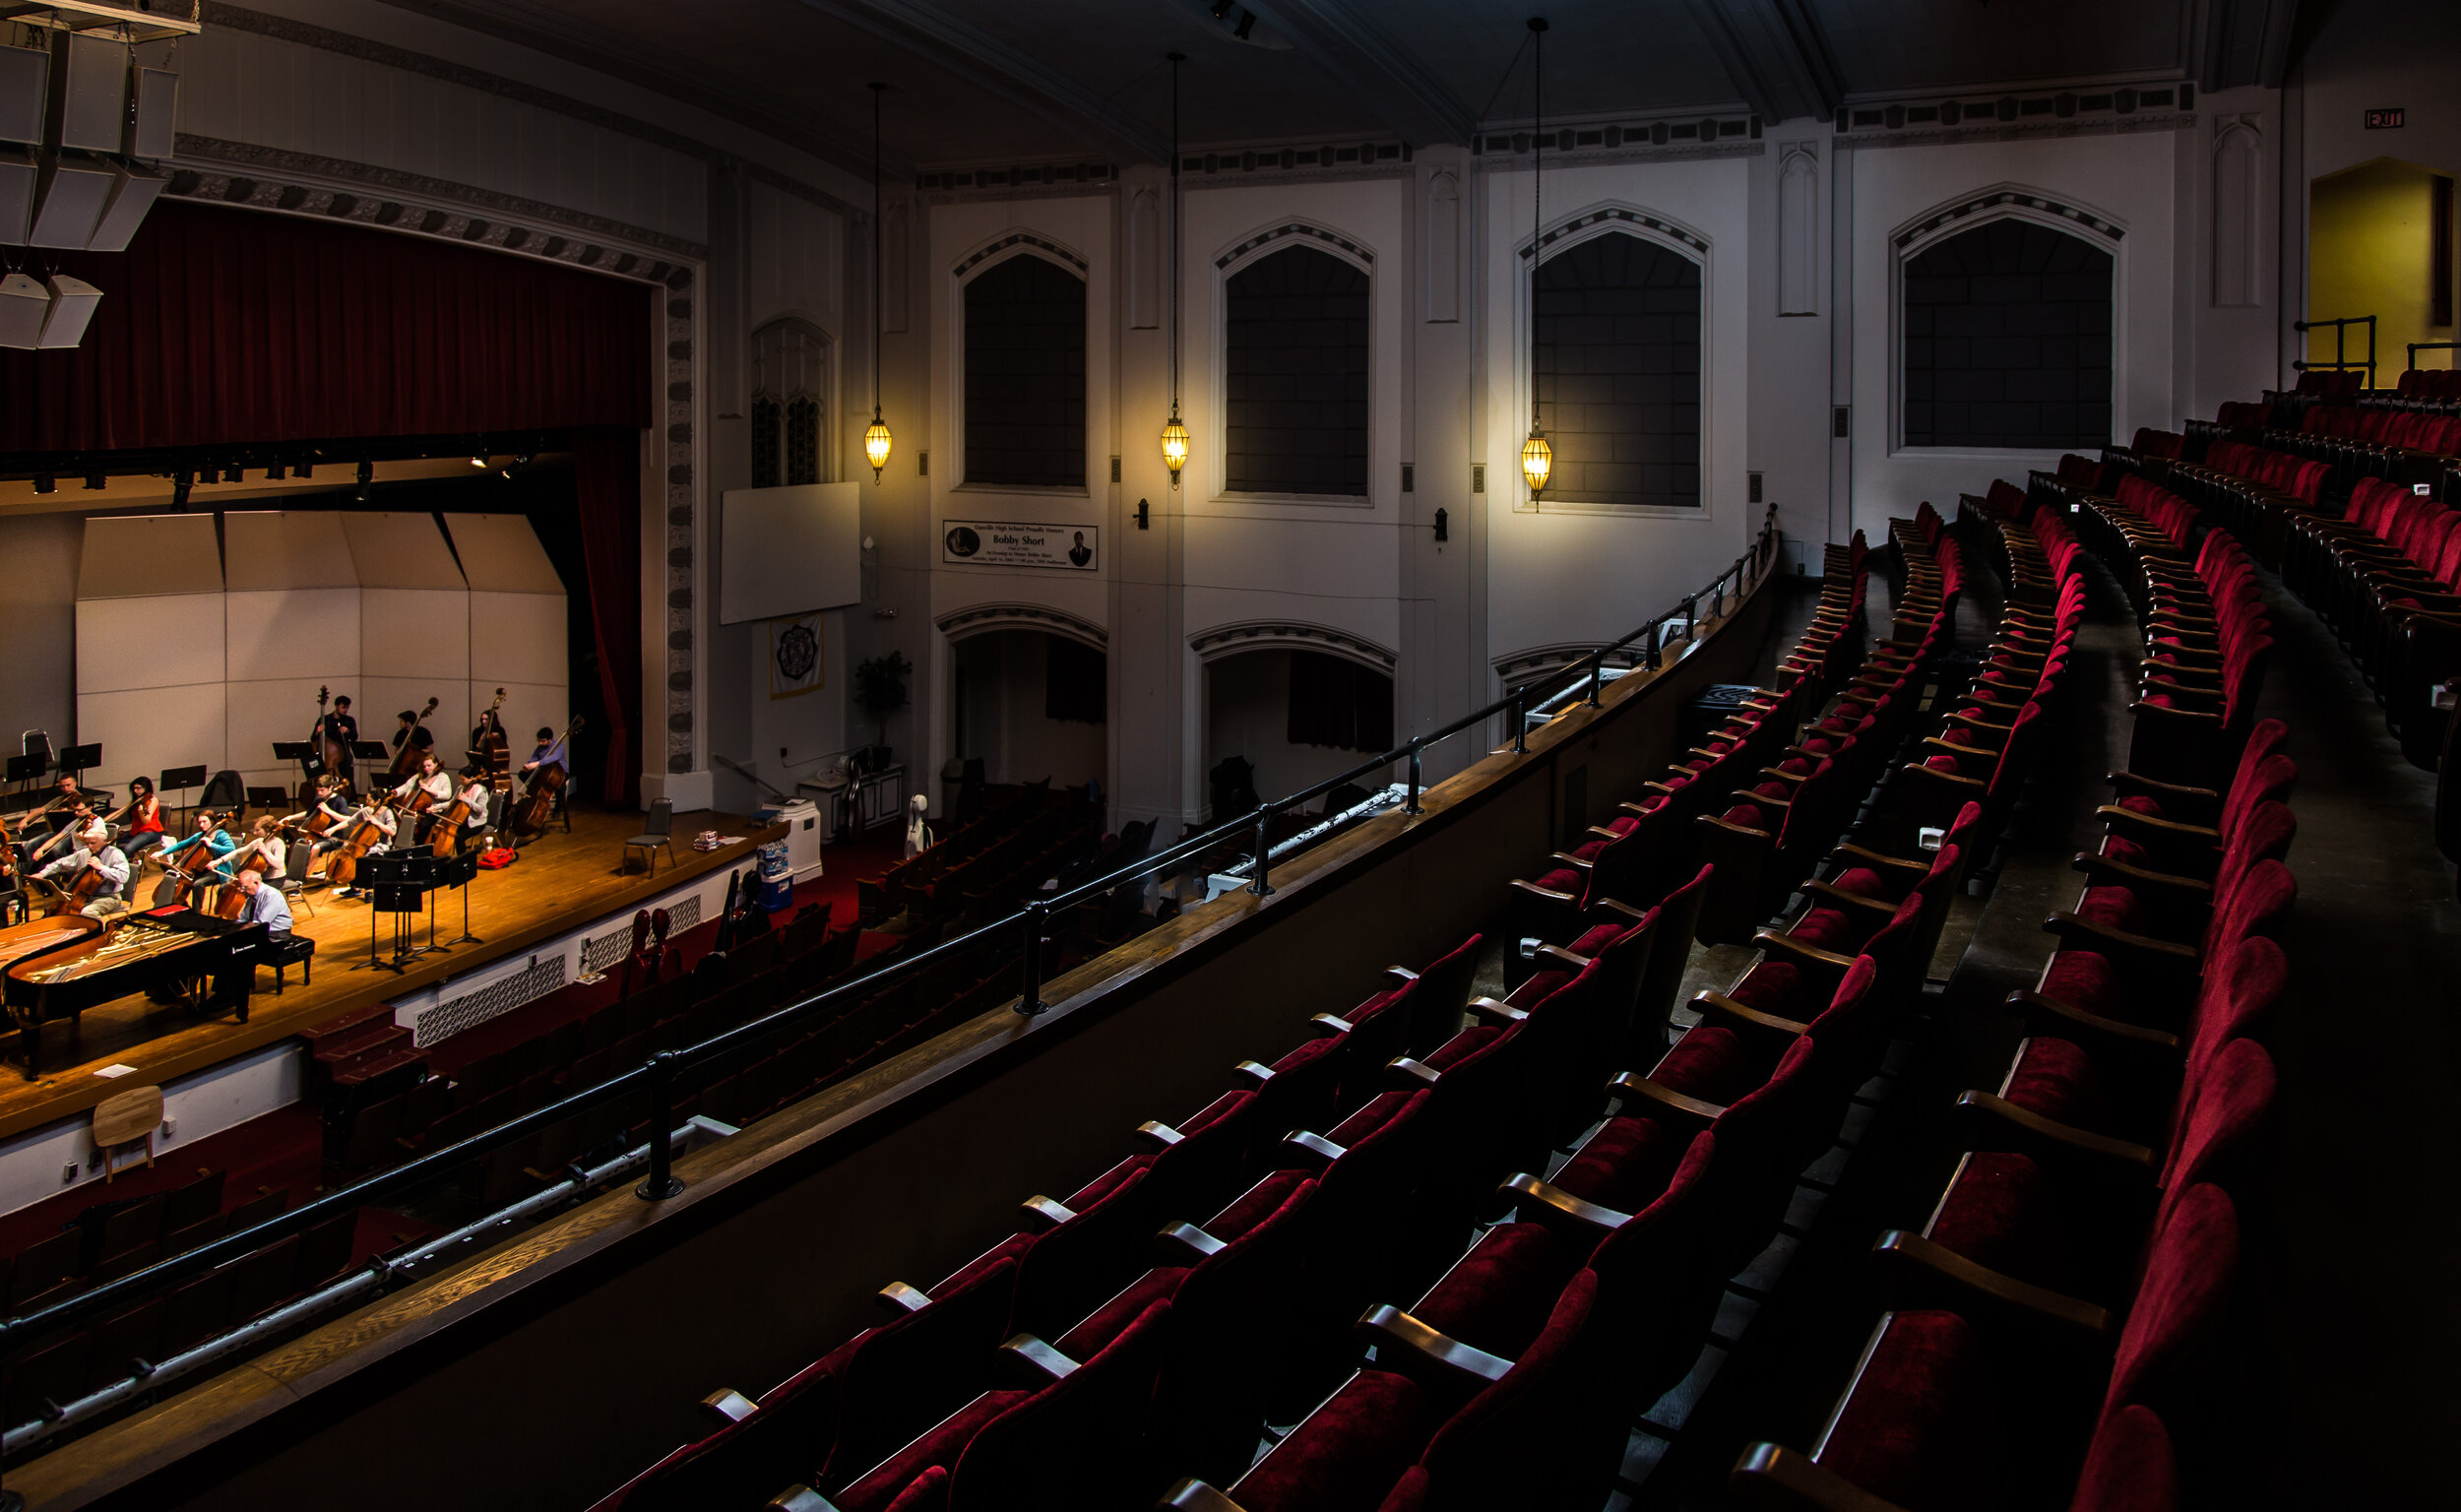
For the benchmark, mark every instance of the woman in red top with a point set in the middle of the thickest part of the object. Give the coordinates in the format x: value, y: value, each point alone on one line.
x: 142, y: 818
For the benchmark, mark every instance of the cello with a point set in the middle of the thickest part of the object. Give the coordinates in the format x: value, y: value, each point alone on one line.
x: 232, y: 900
x: 406, y: 756
x: 312, y: 762
x: 181, y: 874
x: 363, y: 833
x: 530, y: 815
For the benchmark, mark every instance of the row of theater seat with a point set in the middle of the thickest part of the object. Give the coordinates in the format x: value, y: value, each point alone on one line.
x: 2386, y: 576
x: 2053, y: 1321
x: 1351, y: 1171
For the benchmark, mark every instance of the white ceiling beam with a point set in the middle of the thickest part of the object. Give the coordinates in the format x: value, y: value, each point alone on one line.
x: 993, y: 66
x: 1395, y: 85
x: 1775, y: 53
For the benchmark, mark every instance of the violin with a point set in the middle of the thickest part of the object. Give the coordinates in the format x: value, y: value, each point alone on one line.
x: 538, y: 800
x: 406, y: 756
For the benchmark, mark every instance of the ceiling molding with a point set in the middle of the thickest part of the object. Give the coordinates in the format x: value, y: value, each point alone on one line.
x: 1401, y: 92
x: 666, y: 73
x: 993, y: 66
x: 1290, y: 635
x: 2240, y: 42
x: 1775, y: 54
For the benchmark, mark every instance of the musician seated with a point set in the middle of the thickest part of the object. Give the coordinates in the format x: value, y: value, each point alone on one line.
x: 332, y: 807
x: 386, y: 826
x: 142, y: 820
x: 431, y: 780
x: 265, y: 840
x: 550, y: 753
x: 209, y: 834
x: 477, y: 794
x: 95, y: 853
x: 266, y: 905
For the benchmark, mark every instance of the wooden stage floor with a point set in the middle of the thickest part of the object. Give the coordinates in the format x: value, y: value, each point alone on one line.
x: 561, y: 883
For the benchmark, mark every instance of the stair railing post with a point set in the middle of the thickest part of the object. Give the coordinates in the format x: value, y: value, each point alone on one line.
x: 1521, y: 720
x: 1411, y: 807
x: 1261, y: 887
x: 662, y: 1183
x: 1597, y: 676
x: 1030, y: 991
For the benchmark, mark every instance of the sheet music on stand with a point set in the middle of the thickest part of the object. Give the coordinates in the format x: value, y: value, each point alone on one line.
x: 398, y: 883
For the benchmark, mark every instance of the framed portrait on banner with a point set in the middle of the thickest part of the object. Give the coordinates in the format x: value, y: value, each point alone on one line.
x: 796, y: 664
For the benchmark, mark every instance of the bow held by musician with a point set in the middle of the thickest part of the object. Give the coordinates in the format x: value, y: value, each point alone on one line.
x: 142, y: 819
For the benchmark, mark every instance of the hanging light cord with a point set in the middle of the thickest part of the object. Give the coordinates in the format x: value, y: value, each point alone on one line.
x: 875, y: 252
x: 1538, y: 184
x: 1175, y: 236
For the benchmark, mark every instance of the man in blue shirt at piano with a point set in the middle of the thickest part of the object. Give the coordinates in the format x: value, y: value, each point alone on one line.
x: 266, y: 905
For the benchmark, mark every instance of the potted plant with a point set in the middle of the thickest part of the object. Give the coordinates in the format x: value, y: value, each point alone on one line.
x: 880, y: 687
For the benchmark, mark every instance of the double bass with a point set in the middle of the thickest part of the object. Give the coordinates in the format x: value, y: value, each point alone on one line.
x: 528, y: 817
x: 315, y: 763
x: 406, y: 756
x: 490, y: 751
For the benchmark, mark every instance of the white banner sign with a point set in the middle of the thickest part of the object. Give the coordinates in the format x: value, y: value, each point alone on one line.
x: 1011, y: 543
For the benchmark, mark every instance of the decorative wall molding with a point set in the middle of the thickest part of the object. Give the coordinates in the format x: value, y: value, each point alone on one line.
x: 301, y: 183
x: 1287, y: 635
x: 983, y: 618
x: 1001, y: 244
x: 1531, y: 661
x: 1608, y: 216
x: 1305, y: 229
x: 2009, y: 198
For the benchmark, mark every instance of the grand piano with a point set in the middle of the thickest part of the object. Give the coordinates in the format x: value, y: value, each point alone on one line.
x: 172, y: 955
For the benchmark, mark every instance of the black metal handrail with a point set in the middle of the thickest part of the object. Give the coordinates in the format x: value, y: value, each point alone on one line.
x: 657, y: 1075
x: 2341, y: 330
x: 2417, y: 347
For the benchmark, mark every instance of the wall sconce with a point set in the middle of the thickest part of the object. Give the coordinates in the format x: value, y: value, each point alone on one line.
x: 1442, y: 522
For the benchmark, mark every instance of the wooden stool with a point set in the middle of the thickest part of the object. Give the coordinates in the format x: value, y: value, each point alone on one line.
x: 123, y: 1118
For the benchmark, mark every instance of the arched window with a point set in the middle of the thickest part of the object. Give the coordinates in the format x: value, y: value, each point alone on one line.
x: 1025, y: 375
x: 1295, y: 342
x: 1617, y: 371
x: 2008, y: 339
x: 790, y: 385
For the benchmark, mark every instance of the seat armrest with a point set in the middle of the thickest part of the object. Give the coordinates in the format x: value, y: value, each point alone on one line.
x: 1850, y: 855
x: 1324, y: 1026
x: 1845, y: 898
x: 1942, y: 1277
x: 1992, y: 1122
x: 1193, y: 1495
x: 1159, y: 1135
x: 900, y: 1299
x: 798, y: 1498
x: 1551, y: 1207
x: 1186, y: 1244
x: 1561, y: 957
x: 1643, y: 1096
x: 1406, y: 1347
x: 1029, y: 1357
x: 2050, y: 1015
x: 1309, y: 1151
x: 729, y: 1404
x: 1044, y: 1210
x: 2134, y: 949
x: 1719, y: 1005
x: 1407, y: 1075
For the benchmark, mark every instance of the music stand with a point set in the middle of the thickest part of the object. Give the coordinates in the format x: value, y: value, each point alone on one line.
x: 397, y: 884
x: 371, y: 750
x: 180, y: 780
x: 77, y: 760
x: 459, y: 870
x: 27, y: 769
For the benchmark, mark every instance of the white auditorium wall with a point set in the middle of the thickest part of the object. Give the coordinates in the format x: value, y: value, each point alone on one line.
x: 517, y: 626
x: 1564, y: 573
x: 150, y: 644
x: 39, y: 560
x: 2127, y: 180
x: 415, y: 630
x: 293, y: 618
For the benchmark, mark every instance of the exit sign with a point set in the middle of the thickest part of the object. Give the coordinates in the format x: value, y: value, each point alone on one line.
x: 2385, y: 120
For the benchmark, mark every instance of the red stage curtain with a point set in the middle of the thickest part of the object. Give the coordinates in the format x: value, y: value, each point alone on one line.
x: 224, y: 326
x: 606, y: 481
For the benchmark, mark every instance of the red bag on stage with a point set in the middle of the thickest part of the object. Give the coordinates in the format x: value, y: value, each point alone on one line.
x: 498, y: 858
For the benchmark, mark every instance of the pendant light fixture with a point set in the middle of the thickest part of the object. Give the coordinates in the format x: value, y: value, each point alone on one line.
x: 1174, y: 434
x: 876, y: 441
x: 1538, y: 459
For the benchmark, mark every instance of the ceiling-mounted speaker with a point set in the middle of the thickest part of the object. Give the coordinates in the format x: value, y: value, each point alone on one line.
x: 24, y: 302
x: 73, y: 303
x: 18, y: 176
x: 134, y: 189
x: 24, y: 89
x: 70, y: 190
x: 89, y: 92
x: 152, y: 97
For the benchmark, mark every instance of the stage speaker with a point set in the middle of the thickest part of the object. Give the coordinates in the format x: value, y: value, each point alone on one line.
x: 152, y: 95
x: 89, y: 92
x: 134, y: 189
x: 70, y: 190
x: 24, y: 89
x: 24, y: 303
x: 73, y: 303
x: 18, y: 176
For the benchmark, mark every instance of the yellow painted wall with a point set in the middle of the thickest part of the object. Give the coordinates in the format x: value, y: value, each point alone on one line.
x: 2367, y: 254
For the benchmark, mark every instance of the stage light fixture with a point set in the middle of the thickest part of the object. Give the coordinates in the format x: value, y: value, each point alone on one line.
x: 478, y: 462
x: 96, y: 483
x: 231, y: 474
x: 304, y: 468
x: 44, y: 482
x: 273, y: 475
x: 179, y: 494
